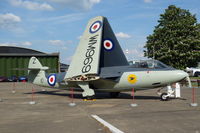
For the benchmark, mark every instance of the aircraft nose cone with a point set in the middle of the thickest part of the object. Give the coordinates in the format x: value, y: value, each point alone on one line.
x: 182, y: 74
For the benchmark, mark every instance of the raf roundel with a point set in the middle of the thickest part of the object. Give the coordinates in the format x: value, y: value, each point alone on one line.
x: 95, y: 26
x: 108, y: 44
x: 52, y: 79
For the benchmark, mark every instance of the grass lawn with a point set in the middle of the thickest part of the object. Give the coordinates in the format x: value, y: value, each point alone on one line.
x: 194, y: 79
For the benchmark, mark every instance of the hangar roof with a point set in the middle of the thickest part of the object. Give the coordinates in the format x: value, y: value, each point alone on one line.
x: 20, y: 51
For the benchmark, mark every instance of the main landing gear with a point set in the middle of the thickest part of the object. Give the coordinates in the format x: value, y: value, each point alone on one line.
x: 89, y: 98
x: 88, y: 94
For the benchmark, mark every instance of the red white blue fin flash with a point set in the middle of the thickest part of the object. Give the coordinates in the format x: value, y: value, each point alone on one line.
x: 95, y: 26
x: 52, y: 79
x: 108, y: 44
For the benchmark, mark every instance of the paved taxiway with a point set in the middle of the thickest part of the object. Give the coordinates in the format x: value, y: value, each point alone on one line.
x: 52, y: 114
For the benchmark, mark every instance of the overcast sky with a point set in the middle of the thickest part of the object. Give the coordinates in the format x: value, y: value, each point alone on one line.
x: 56, y: 25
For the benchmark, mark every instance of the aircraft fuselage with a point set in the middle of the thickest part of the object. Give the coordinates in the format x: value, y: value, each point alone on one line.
x: 125, y: 78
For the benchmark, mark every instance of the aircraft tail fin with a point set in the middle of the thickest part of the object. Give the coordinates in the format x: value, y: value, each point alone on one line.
x: 36, y: 71
x: 111, y: 52
x: 98, y: 47
x: 34, y: 64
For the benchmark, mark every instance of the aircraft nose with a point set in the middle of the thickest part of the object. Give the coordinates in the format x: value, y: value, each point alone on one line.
x: 181, y: 74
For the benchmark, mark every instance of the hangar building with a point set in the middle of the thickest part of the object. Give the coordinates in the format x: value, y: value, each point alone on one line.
x: 12, y: 57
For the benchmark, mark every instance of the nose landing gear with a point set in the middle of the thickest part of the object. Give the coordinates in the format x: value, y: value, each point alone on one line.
x: 164, y: 97
x: 171, y: 92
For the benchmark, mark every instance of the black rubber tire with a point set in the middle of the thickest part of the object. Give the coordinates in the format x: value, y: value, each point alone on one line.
x: 89, y: 97
x: 163, y: 98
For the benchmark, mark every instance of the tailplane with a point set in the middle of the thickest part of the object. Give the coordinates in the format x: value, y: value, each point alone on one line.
x: 36, y: 72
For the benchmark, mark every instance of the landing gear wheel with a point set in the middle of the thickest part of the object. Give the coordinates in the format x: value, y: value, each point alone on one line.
x: 114, y: 94
x: 164, y: 97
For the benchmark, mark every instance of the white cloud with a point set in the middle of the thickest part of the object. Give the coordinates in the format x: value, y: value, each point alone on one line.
x: 76, y: 4
x: 69, y: 42
x: 8, y: 44
x: 26, y: 43
x: 134, y: 54
x: 31, y: 5
x: 61, y: 19
x: 10, y: 17
x: 64, y: 48
x: 56, y: 42
x: 9, y: 20
x: 122, y: 35
x: 68, y: 59
x: 147, y: 1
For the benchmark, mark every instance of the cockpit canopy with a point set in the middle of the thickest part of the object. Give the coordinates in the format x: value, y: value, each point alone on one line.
x: 148, y: 64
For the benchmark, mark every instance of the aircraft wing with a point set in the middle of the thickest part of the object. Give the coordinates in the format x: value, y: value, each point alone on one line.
x: 86, y: 58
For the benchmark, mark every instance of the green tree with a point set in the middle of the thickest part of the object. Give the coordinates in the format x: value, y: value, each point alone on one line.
x: 176, y: 39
